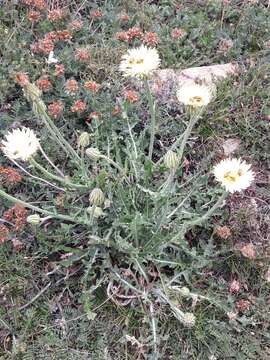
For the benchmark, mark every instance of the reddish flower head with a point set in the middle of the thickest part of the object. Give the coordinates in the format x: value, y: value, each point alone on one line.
x: 59, y: 70
x: 22, y: 79
x: 55, y: 15
x: 82, y: 55
x: 39, y: 4
x: 177, y: 33
x: 17, y: 215
x: 78, y: 106
x: 9, y: 176
x: 55, y: 108
x: 4, y: 232
x: 51, y: 36
x: 223, y: 232
x: 134, y: 33
x: 122, y: 36
x: 150, y: 39
x: 44, y: 83
x: 33, y: 16
x: 64, y: 35
x: 94, y: 14
x: 91, y: 86
x: 131, y: 96
x: 71, y: 87
x: 45, y: 46
x: 75, y: 25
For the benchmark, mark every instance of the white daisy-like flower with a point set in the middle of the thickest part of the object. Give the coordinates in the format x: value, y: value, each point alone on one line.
x: 139, y: 62
x: 20, y: 144
x: 233, y: 174
x: 195, y: 95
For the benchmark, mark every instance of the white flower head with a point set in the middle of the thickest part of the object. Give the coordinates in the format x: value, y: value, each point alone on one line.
x: 233, y: 174
x: 139, y: 62
x: 51, y: 59
x: 195, y: 95
x: 20, y: 144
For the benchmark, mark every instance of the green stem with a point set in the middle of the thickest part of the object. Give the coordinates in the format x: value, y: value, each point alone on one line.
x: 84, y: 170
x: 187, y: 133
x: 208, y: 214
x: 39, y: 210
x: 50, y: 162
x: 55, y: 177
x: 153, y: 118
x: 113, y: 163
x: 166, y: 186
x: 39, y: 108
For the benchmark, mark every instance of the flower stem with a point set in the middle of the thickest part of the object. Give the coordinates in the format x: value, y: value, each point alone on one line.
x: 208, y: 214
x: 39, y: 210
x: 50, y: 162
x: 55, y: 177
x: 187, y: 133
x: 167, y: 185
x: 36, y: 177
x: 40, y: 109
x: 153, y: 118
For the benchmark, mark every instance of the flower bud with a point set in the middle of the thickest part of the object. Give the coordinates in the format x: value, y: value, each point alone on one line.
x: 93, y: 153
x: 171, y: 160
x: 189, y: 319
x: 184, y: 291
x: 32, y: 92
x: 33, y: 219
x: 84, y: 140
x: 96, y: 197
x: 96, y: 210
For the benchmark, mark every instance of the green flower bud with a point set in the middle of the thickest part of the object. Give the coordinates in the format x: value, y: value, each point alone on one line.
x: 189, y: 319
x: 96, y: 197
x: 93, y: 153
x: 84, y: 140
x: 32, y: 92
x: 184, y: 291
x: 97, y: 211
x: 33, y: 219
x: 171, y: 160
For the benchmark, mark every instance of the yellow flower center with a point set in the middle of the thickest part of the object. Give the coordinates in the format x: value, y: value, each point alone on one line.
x: 133, y: 61
x: 233, y: 176
x: 196, y: 101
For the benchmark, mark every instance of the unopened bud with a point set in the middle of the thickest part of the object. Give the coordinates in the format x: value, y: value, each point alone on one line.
x: 32, y: 92
x: 33, y: 219
x: 189, y: 319
x: 184, y: 291
x: 96, y: 197
x: 95, y: 210
x: 84, y: 140
x: 93, y: 153
x: 171, y: 160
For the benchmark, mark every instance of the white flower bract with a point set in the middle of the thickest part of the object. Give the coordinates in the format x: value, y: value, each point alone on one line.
x: 194, y: 94
x: 233, y: 174
x: 139, y: 62
x: 20, y: 144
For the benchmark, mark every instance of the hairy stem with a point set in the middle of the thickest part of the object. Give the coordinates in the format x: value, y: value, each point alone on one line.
x: 39, y: 210
x: 187, y: 133
x: 55, y: 177
x: 50, y: 162
x: 153, y: 118
x: 208, y: 214
x: 40, y: 109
